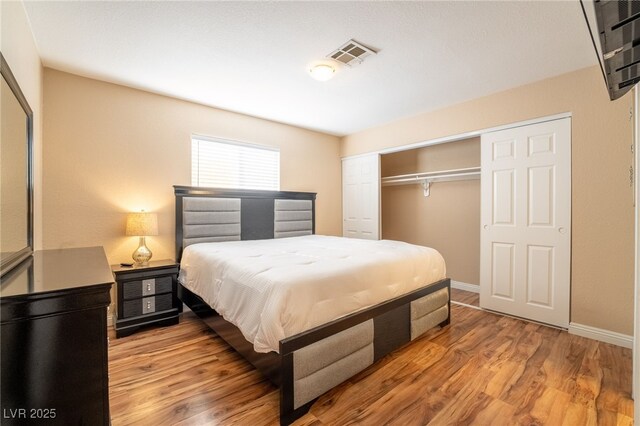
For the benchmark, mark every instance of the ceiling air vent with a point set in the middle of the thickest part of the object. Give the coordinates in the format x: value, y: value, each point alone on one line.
x: 351, y: 53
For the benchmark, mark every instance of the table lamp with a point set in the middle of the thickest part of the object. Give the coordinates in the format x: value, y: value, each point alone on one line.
x: 142, y: 224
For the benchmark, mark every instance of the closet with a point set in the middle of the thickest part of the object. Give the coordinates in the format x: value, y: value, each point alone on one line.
x: 431, y: 197
x: 496, y: 203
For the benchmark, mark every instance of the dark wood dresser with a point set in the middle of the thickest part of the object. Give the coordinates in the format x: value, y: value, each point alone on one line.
x: 53, y: 325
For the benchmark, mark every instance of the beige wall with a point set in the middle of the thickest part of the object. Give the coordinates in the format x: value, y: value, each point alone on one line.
x: 602, y: 200
x: 449, y: 218
x: 19, y: 50
x: 110, y: 149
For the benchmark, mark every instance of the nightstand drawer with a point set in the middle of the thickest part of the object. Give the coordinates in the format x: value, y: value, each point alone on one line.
x: 146, y: 287
x: 147, y: 305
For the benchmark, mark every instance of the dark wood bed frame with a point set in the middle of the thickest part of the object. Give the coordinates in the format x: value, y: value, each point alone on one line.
x: 391, y: 327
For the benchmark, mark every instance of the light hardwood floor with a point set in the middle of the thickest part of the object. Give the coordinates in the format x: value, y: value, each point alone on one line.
x: 483, y: 369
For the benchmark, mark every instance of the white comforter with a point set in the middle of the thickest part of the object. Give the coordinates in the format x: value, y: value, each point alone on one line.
x: 272, y: 289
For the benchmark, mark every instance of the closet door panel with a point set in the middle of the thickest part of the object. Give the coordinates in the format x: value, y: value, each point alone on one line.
x: 361, y: 197
x: 503, y: 277
x: 526, y: 221
x: 504, y: 197
x: 541, y: 197
x: 350, y: 194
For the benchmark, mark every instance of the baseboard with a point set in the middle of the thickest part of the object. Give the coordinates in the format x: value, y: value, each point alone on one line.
x: 466, y: 287
x: 594, y: 333
x: 453, y: 302
x: 606, y: 336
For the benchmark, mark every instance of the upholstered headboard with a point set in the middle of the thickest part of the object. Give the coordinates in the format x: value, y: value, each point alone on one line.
x: 212, y: 214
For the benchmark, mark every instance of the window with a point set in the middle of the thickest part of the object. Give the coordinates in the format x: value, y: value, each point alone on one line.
x: 220, y: 163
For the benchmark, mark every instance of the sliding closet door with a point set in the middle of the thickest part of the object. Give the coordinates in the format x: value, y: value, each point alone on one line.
x: 525, y: 238
x: 361, y: 197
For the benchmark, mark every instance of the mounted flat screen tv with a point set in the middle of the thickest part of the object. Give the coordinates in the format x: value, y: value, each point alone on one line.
x: 615, y: 33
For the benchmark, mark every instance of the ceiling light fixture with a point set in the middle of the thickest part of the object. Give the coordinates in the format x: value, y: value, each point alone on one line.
x: 322, y: 72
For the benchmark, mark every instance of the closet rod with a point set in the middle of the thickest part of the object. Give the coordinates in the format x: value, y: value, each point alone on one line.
x: 439, y: 176
x: 427, y: 178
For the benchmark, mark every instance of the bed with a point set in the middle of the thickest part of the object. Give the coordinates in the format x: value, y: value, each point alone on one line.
x: 244, y: 241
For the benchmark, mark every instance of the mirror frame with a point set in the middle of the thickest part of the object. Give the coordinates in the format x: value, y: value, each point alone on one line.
x: 11, y: 261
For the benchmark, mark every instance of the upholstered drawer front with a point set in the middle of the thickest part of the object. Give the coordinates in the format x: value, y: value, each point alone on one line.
x: 427, y: 322
x: 330, y: 361
x: 146, y: 287
x: 429, y: 311
x: 427, y: 304
x: 147, y: 305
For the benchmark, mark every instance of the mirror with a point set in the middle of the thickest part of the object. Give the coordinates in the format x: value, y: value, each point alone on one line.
x: 16, y: 182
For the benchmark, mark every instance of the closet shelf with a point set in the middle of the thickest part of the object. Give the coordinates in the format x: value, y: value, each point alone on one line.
x: 427, y: 178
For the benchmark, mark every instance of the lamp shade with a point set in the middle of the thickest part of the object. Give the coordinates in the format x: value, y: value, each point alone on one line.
x: 142, y: 224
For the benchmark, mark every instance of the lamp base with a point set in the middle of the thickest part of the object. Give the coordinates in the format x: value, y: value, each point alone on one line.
x: 142, y: 255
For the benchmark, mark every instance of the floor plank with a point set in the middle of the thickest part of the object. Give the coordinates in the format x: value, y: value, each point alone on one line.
x: 483, y: 369
x: 465, y: 297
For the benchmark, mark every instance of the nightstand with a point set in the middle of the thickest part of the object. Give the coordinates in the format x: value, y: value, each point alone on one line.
x: 146, y: 295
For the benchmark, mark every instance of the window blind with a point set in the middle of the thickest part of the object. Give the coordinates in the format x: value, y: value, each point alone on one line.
x: 220, y: 163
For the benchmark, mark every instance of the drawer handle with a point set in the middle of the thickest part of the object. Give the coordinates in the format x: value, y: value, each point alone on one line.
x: 148, y: 304
x: 148, y: 286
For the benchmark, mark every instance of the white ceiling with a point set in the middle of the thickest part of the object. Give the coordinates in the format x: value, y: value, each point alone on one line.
x: 252, y: 57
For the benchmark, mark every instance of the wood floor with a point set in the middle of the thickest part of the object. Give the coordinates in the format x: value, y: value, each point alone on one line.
x: 465, y: 297
x: 483, y: 369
